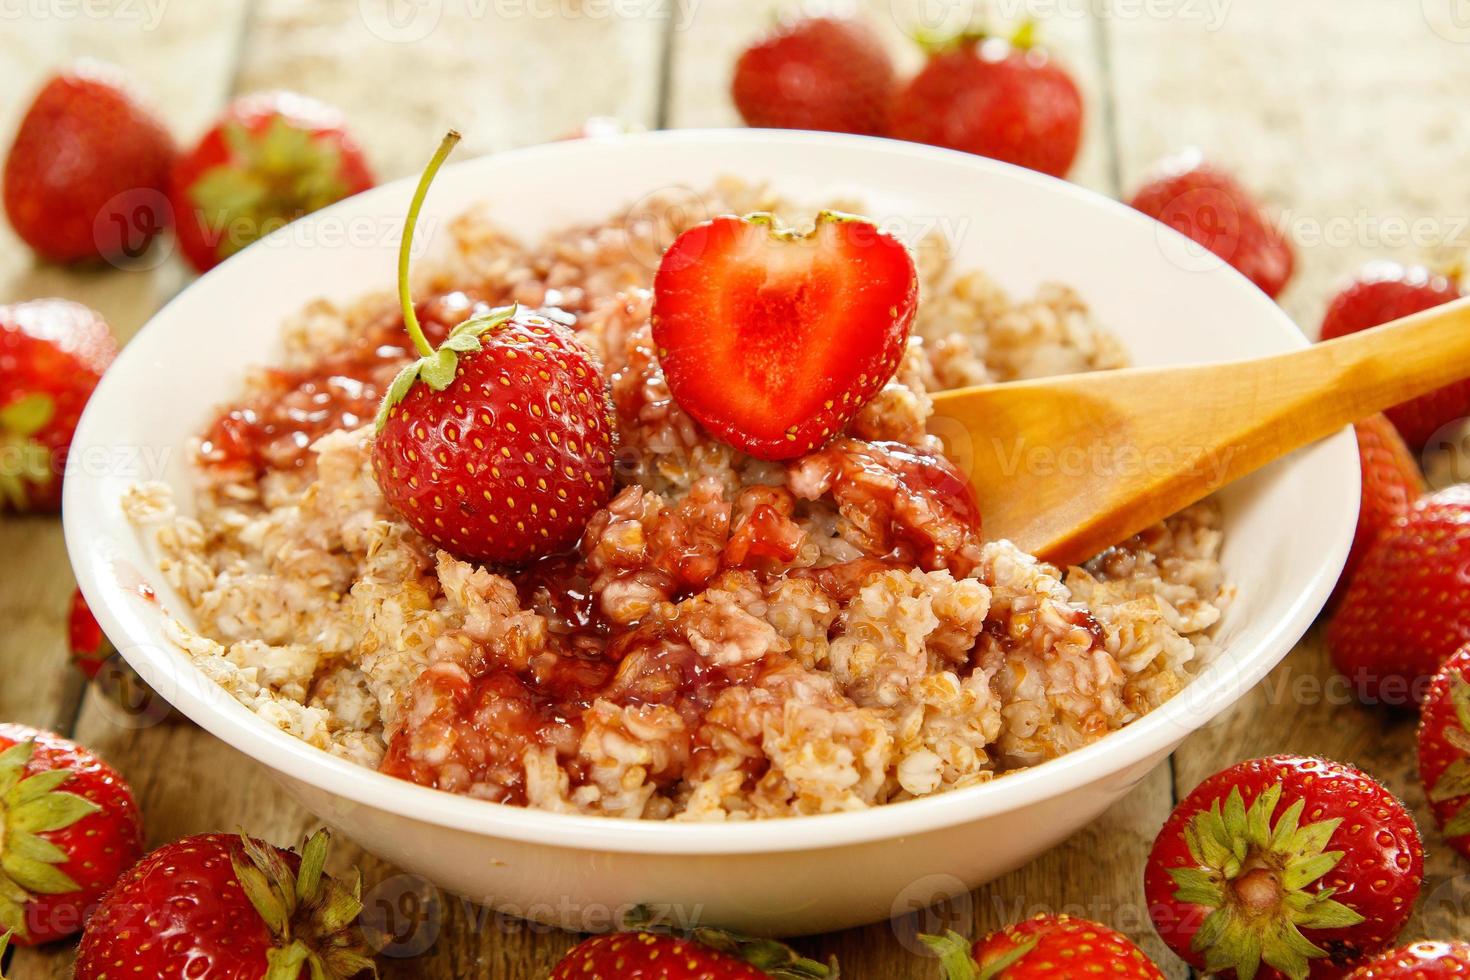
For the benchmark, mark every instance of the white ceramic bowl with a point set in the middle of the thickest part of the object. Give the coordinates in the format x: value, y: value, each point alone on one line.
x: 1288, y: 527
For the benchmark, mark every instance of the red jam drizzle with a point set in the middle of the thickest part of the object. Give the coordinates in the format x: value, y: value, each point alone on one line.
x: 469, y: 726
x: 274, y: 428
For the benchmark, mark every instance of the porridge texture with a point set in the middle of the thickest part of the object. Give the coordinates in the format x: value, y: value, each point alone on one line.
x: 733, y: 638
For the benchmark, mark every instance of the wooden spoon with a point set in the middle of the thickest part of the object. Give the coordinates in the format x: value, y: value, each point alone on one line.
x: 1068, y: 466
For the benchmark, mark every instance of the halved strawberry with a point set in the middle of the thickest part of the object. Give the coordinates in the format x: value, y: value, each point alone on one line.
x: 772, y: 339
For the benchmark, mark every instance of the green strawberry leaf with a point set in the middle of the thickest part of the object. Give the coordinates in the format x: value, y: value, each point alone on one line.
x: 27, y: 415
x: 1453, y: 782
x: 438, y: 371
x: 954, y: 955
x: 462, y: 343
x: 1459, y: 824
x: 36, y: 877
x: 1460, y: 698
x: 54, y: 811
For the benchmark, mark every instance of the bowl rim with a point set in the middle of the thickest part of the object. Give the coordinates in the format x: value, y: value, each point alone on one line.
x: 1141, y: 741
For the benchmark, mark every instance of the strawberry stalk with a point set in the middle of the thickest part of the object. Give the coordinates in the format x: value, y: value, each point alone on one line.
x: 958, y: 962
x: 311, y: 916
x: 405, y: 245
x: 435, y: 367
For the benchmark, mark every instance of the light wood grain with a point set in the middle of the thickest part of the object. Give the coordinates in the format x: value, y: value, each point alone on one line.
x: 1346, y: 113
x: 1351, y: 145
x: 184, y: 61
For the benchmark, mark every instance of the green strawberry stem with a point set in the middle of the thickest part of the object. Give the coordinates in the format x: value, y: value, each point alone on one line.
x: 958, y: 962
x: 32, y: 805
x: 4, y: 946
x: 436, y: 368
x: 1258, y: 879
x: 405, y: 246
x: 312, y: 917
x: 1454, y: 781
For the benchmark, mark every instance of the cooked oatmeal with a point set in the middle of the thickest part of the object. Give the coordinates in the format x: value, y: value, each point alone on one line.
x: 733, y: 638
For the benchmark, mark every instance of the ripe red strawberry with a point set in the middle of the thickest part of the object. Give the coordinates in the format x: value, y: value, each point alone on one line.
x: 1381, y: 293
x: 1036, y: 947
x: 1392, y: 482
x: 706, y: 955
x: 1408, y: 606
x: 94, y: 655
x: 1418, y: 961
x: 829, y: 73
x: 800, y: 330
x: 996, y: 98
x: 271, y: 158
x: 218, y: 905
x: 1205, y: 203
x: 52, y: 354
x: 86, y: 175
x: 498, y: 446
x: 71, y: 827
x: 1284, y: 867
x: 1444, y: 749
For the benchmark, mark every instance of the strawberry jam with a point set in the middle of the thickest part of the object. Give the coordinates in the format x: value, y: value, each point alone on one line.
x: 273, y: 428
x: 627, y: 618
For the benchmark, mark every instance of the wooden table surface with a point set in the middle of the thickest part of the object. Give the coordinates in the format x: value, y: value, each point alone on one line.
x: 1347, y: 115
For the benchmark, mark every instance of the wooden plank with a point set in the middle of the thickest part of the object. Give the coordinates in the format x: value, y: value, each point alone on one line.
x: 1099, y: 872
x: 181, y: 55
x: 1352, y: 145
x: 504, y: 83
x: 506, y: 74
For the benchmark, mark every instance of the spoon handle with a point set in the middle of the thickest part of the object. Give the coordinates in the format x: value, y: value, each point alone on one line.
x: 1363, y: 373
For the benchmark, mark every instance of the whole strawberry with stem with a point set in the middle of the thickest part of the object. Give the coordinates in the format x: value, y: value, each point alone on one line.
x: 704, y: 954
x: 1286, y: 866
x: 1444, y: 749
x: 271, y: 158
x: 498, y: 446
x: 1418, y: 961
x: 71, y: 828
x: 801, y: 330
x: 1203, y: 202
x: 1392, y: 481
x: 998, y: 98
x: 1036, y: 947
x: 220, y: 905
x: 1381, y: 293
x: 824, y: 73
x: 87, y: 174
x: 1408, y: 606
x: 52, y: 354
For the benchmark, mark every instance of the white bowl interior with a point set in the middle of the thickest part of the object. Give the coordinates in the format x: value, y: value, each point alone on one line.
x: 1288, y: 526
